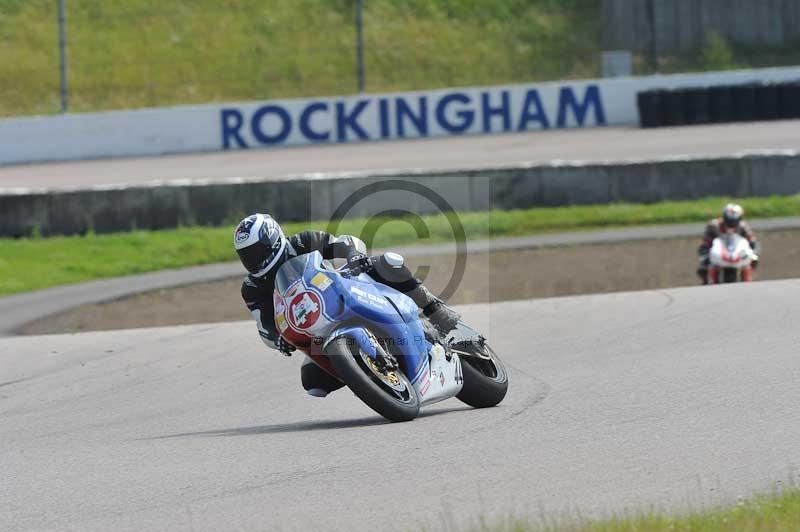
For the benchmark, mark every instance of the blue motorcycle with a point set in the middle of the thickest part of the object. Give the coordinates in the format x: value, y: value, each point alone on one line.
x: 370, y: 337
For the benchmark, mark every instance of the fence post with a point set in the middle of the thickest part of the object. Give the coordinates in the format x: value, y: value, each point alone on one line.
x: 653, y: 22
x: 359, y: 45
x: 62, y: 49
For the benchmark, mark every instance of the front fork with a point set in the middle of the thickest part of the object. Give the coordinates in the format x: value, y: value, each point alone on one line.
x: 745, y: 275
x: 713, y: 275
x: 411, y: 362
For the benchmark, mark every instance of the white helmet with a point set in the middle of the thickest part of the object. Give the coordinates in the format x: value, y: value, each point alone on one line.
x: 732, y: 215
x: 260, y: 244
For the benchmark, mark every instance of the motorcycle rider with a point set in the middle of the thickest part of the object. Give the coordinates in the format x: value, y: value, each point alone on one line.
x: 263, y: 248
x: 730, y: 221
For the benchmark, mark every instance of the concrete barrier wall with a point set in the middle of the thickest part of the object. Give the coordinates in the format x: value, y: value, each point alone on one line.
x: 359, y: 118
x: 110, y: 209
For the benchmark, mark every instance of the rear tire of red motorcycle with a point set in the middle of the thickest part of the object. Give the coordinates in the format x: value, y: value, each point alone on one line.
x: 366, y: 389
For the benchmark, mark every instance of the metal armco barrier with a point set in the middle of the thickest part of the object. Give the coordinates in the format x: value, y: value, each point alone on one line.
x: 718, y: 104
x: 106, y: 209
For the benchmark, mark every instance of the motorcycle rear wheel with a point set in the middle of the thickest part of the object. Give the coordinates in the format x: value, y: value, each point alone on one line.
x: 390, y: 394
x: 485, y: 377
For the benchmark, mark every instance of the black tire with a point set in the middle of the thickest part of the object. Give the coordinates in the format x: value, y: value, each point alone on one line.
x: 730, y: 275
x: 485, y: 381
x: 394, y: 406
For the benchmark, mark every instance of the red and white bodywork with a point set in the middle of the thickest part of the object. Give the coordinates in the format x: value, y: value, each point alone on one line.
x: 731, y: 259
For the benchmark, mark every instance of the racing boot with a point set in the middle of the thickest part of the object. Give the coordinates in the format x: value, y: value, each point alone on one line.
x: 702, y: 269
x: 443, y: 317
x: 316, y: 381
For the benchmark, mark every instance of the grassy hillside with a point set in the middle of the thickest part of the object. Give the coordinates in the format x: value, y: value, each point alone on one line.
x: 139, y: 53
x: 135, y: 53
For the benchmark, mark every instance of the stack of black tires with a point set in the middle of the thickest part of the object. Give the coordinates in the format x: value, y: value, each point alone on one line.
x: 719, y: 104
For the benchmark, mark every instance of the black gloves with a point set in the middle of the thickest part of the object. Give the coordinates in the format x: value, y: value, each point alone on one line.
x: 359, y: 263
x: 283, y: 346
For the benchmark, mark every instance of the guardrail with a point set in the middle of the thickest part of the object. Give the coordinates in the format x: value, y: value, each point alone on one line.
x: 159, y: 206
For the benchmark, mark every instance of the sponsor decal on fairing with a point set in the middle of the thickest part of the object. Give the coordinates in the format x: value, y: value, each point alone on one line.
x: 321, y: 281
x: 304, y: 310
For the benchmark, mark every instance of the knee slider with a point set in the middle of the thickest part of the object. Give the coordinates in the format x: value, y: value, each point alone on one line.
x: 392, y: 260
x: 391, y: 270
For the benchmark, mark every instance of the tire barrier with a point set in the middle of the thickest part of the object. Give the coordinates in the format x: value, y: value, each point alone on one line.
x: 719, y: 104
x: 697, y: 106
x: 790, y: 99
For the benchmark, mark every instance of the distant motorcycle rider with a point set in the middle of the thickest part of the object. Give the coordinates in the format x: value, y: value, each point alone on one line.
x: 730, y: 221
x: 263, y: 248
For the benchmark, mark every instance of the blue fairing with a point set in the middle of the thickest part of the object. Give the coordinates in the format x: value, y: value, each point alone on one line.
x: 354, y: 304
x: 359, y: 335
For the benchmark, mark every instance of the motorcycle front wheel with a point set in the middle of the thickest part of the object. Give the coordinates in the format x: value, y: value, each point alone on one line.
x: 387, y: 392
x: 730, y: 275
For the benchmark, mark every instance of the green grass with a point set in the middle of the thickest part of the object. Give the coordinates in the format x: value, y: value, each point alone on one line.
x: 141, y: 53
x: 136, y: 53
x: 34, y: 263
x: 777, y: 513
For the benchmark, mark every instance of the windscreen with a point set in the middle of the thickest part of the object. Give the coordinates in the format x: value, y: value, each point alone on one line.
x: 289, y: 272
x: 730, y: 240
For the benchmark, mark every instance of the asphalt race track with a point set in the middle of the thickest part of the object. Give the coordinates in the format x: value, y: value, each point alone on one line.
x: 668, y: 400
x: 594, y: 145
